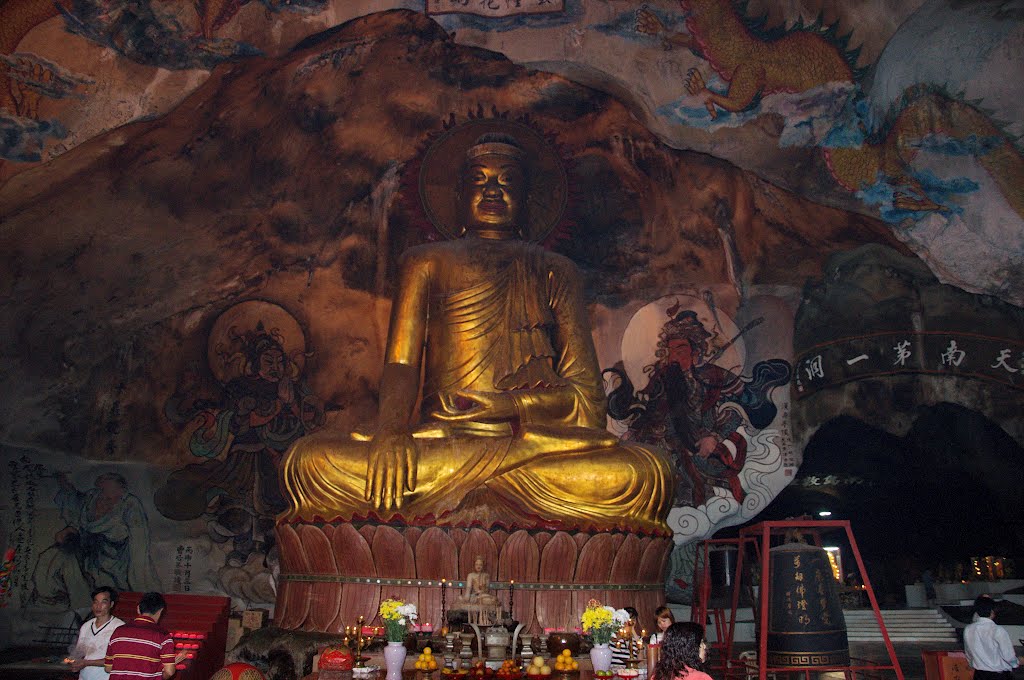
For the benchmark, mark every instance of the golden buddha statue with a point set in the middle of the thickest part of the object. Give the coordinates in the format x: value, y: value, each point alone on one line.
x: 490, y: 338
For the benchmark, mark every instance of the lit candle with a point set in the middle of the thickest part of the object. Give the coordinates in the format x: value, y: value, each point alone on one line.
x: 511, y: 597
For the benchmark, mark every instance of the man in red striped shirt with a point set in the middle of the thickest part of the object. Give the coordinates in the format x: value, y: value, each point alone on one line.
x: 142, y: 649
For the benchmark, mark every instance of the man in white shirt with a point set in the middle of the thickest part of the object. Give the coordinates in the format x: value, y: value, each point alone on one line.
x: 988, y: 646
x: 94, y: 635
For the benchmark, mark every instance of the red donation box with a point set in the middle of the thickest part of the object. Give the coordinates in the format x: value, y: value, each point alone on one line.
x: 940, y: 665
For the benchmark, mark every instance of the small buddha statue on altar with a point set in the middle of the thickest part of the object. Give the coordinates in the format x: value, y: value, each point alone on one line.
x: 477, y: 598
x: 491, y: 403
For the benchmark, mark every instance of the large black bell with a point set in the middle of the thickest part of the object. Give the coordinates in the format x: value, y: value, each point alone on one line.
x: 806, y: 627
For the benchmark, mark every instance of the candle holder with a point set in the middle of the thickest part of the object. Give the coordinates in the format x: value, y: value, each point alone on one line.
x: 625, y: 639
x: 362, y: 636
x: 444, y: 606
x: 466, y: 651
x: 527, y: 653
x: 449, y: 650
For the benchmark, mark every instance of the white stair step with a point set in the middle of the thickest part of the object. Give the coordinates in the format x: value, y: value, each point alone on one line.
x: 901, y: 625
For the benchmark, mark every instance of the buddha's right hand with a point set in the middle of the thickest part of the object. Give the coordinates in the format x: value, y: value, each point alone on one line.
x: 390, y: 469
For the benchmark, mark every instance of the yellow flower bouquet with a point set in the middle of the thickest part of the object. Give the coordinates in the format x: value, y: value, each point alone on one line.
x: 601, y: 622
x: 397, y: 616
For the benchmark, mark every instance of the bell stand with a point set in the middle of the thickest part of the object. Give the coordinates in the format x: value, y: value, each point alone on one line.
x: 718, y: 661
x: 759, y: 536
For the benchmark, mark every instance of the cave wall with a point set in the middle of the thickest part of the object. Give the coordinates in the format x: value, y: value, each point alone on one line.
x: 907, y: 110
x: 169, y: 220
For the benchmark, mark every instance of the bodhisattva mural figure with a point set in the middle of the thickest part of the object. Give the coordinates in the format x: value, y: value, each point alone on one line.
x: 257, y: 354
x: 105, y: 541
x: 513, y: 406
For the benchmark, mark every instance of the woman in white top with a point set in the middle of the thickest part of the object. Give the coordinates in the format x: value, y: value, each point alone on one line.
x: 663, y: 619
x: 94, y: 636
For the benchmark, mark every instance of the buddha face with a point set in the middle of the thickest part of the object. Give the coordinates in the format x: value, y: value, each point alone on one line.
x: 493, y: 193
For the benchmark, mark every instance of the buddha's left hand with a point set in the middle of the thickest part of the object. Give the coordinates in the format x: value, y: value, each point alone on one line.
x: 476, y: 405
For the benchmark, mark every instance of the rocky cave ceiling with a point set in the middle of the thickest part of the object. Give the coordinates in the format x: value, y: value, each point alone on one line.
x: 160, y: 158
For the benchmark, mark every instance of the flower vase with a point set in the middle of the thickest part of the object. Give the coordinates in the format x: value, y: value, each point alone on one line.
x: 601, y: 657
x: 394, y: 660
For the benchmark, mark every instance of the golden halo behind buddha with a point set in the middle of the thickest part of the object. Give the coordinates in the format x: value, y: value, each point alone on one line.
x: 444, y: 159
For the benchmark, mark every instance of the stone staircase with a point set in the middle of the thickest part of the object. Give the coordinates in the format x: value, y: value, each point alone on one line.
x: 903, y: 625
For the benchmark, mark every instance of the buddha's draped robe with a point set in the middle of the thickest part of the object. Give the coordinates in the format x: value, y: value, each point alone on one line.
x: 494, y: 315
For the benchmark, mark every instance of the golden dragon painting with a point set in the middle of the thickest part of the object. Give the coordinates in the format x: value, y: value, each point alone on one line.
x: 752, y: 66
x: 802, y: 58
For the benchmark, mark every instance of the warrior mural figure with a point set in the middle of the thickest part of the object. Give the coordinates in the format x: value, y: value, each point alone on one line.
x: 696, y: 408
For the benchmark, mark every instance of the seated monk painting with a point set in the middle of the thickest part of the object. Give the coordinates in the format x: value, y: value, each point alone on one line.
x: 491, y: 407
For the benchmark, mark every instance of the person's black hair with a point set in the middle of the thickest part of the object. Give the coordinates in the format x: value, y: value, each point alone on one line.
x: 105, y: 589
x: 680, y: 649
x: 984, y: 606
x: 151, y: 603
x: 633, y: 613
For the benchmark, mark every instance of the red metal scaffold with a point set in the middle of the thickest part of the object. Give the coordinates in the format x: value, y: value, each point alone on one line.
x: 759, y: 537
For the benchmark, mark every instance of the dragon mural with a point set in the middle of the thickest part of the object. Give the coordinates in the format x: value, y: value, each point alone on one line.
x: 928, y: 118
x: 794, y: 61
x: 754, y: 62
x: 140, y: 31
x: 17, y: 18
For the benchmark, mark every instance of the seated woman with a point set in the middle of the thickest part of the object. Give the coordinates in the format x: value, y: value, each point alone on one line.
x: 663, y: 619
x: 627, y: 645
x: 683, y: 653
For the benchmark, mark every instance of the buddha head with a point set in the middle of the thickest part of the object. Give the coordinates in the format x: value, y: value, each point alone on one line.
x: 493, y: 190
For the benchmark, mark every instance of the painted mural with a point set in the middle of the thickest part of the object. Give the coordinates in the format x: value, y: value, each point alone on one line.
x: 105, y: 540
x: 848, y: 107
x: 693, y: 383
x: 73, y: 528
x: 238, y: 428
